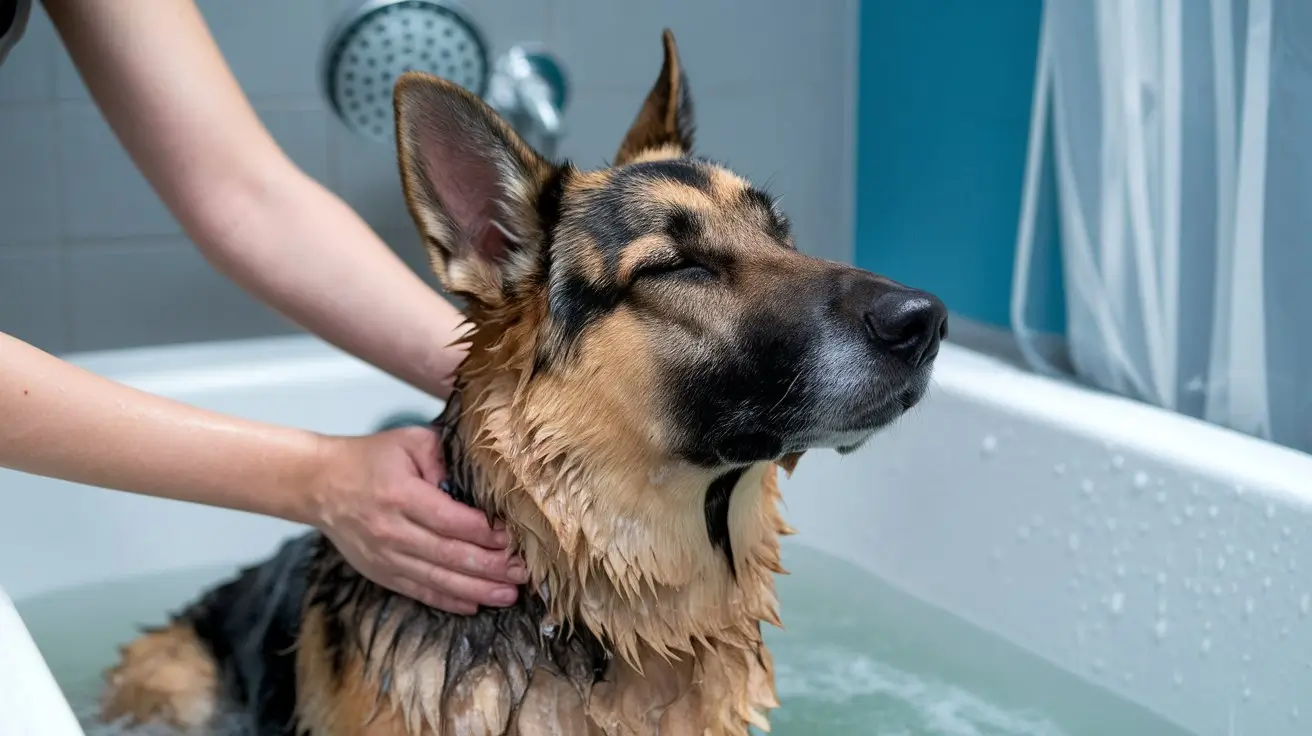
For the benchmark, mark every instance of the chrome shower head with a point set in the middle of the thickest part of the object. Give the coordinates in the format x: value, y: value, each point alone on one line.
x: 379, y: 40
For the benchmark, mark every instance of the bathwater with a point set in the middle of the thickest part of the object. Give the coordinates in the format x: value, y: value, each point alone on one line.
x: 857, y: 658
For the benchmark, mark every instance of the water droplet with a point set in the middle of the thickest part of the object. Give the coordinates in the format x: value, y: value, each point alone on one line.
x: 1143, y: 527
x: 1161, y: 578
x: 1250, y: 556
x: 1118, y: 461
x: 1117, y: 602
x: 1248, y: 693
x: 1129, y: 676
x: 1195, y: 489
x: 1216, y: 591
x: 1161, y: 605
x: 1246, y: 657
x: 1249, y: 605
x: 1220, y: 563
x: 1240, y: 490
x: 1159, y: 629
x: 1141, y: 480
x: 1111, y: 523
x: 1086, y: 486
x: 997, y: 554
x: 1189, y: 510
x: 1305, y: 604
x: 1205, y: 646
x: 1098, y: 665
x: 1176, y: 521
x: 1120, y: 571
x: 989, y: 445
x: 1178, y: 679
x: 1275, y: 549
x: 1287, y: 532
x: 1207, y: 626
x: 1059, y: 468
x: 1161, y: 498
x: 1266, y: 582
x: 1023, y: 532
x: 1293, y: 713
x: 1284, y: 632
x: 1074, y: 542
x: 1270, y: 511
x: 1213, y: 511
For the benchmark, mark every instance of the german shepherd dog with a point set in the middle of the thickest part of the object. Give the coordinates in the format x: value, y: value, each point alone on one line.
x: 646, y: 348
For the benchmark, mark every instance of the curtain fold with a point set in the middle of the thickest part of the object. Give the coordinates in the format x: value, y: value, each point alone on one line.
x: 1183, y: 176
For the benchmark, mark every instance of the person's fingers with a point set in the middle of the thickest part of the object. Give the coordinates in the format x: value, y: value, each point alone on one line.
x: 460, y: 556
x: 441, y: 514
x: 454, y: 584
x: 433, y: 598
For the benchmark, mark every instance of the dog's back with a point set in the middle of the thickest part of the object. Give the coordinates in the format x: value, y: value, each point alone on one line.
x: 230, y: 655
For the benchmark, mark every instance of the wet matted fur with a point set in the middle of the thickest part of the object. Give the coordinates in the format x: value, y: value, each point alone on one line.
x: 647, y: 348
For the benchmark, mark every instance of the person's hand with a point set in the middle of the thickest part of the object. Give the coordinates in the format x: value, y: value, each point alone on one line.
x: 379, y: 503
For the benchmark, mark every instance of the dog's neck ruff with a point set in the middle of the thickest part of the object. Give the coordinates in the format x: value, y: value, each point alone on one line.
x: 629, y: 558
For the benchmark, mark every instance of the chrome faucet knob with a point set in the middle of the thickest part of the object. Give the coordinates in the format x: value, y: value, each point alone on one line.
x: 528, y: 88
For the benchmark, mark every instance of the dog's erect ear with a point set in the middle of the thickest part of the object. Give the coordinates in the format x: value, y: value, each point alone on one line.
x: 665, y: 121
x: 472, y: 186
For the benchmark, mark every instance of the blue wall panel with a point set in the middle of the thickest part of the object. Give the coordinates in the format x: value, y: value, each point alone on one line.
x: 943, y: 122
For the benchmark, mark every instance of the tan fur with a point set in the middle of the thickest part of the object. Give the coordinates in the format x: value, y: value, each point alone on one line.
x: 165, y: 676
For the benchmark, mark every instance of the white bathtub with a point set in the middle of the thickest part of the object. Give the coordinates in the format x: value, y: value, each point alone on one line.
x: 1163, y: 558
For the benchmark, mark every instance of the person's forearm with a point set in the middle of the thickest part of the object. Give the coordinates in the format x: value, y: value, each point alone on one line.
x: 249, y: 209
x: 65, y: 422
x: 308, y: 255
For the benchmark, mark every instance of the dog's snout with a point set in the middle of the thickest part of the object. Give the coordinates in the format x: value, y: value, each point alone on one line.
x: 908, y: 323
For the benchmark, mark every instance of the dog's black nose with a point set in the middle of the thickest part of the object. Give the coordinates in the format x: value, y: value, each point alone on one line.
x: 909, y: 324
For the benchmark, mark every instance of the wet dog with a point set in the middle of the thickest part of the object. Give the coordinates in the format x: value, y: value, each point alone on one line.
x: 647, y: 348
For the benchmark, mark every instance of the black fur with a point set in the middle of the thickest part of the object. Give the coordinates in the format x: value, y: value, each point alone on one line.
x: 250, y: 625
x: 716, y: 508
x: 740, y: 402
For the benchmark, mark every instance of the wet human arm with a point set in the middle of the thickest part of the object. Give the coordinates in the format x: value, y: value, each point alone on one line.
x: 164, y: 88
x: 373, y: 496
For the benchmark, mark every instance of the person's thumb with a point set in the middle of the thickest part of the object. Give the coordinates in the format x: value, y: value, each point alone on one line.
x: 422, y: 446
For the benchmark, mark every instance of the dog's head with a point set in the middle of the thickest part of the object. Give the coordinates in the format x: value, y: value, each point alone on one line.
x: 665, y: 289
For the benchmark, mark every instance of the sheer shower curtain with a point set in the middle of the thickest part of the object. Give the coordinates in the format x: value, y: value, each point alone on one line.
x: 1181, y: 133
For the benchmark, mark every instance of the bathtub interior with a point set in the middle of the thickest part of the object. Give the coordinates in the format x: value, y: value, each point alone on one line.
x: 1154, y: 557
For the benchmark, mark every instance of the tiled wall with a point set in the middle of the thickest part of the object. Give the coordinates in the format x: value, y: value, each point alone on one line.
x: 90, y: 259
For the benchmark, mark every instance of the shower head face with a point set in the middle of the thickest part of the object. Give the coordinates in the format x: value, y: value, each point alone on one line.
x: 380, y: 40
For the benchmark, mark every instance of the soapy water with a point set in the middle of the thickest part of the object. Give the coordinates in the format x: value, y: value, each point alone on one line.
x: 856, y: 658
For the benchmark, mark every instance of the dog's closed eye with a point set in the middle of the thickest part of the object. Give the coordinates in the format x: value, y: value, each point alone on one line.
x: 675, y: 267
